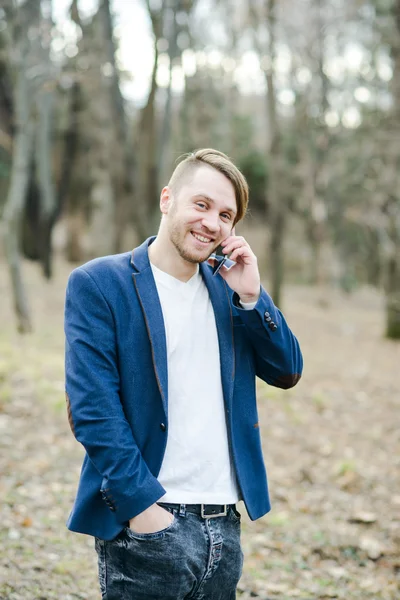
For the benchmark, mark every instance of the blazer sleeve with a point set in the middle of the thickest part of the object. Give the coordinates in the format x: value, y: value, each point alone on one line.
x: 95, y: 412
x: 277, y: 352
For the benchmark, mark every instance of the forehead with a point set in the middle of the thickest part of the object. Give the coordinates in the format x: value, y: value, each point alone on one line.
x: 206, y: 181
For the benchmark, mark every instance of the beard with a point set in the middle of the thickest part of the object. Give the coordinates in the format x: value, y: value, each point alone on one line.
x: 176, y: 236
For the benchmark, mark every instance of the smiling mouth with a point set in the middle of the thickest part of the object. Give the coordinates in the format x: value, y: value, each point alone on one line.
x: 201, y: 238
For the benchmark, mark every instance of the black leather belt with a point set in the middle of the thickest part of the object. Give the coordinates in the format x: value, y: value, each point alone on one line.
x: 207, y: 511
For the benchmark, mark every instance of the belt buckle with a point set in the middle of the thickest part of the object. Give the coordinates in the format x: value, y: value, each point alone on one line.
x: 221, y: 514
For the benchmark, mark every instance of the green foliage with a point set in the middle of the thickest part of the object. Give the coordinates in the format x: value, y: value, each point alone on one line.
x: 254, y: 168
x: 242, y: 134
x: 319, y: 400
x: 279, y: 519
x: 345, y: 466
x: 290, y: 147
x: 383, y: 7
x: 250, y: 160
x: 4, y: 169
x: 393, y: 317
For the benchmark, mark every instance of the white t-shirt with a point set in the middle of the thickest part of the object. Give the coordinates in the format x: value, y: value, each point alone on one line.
x: 197, y: 467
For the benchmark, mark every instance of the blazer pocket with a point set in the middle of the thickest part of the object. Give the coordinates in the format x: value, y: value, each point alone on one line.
x: 237, y: 321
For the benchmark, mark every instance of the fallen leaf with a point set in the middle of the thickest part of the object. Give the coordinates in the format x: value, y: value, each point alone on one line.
x: 27, y: 522
x: 338, y: 572
x: 363, y: 517
x: 372, y: 547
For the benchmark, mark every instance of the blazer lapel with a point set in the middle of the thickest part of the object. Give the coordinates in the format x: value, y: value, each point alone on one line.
x: 221, y: 302
x: 148, y: 297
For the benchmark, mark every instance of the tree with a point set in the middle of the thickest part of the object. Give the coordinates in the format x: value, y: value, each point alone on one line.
x: 392, y: 206
x: 276, y: 200
x: 97, y: 181
x: 147, y: 173
x: 24, y: 24
x: 39, y: 205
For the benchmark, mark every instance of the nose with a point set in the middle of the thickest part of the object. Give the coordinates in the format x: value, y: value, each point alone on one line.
x: 210, y: 221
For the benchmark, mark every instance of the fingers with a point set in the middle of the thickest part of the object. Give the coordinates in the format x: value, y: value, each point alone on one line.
x: 233, y: 242
x: 237, y: 247
x: 244, y: 253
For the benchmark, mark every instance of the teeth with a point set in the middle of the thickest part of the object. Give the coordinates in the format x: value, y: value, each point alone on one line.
x: 200, y: 237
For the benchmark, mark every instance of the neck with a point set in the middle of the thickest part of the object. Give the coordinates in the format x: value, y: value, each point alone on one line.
x: 164, y: 256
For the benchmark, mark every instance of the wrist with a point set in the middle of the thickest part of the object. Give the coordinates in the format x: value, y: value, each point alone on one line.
x: 249, y: 298
x: 145, y: 513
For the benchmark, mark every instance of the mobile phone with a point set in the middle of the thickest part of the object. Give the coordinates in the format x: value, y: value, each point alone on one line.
x: 218, y: 266
x: 220, y: 258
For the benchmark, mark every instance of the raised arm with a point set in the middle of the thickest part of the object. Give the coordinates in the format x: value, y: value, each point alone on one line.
x: 277, y: 352
x: 278, y: 357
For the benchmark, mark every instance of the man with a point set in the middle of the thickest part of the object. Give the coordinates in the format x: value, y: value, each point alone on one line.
x: 161, y: 361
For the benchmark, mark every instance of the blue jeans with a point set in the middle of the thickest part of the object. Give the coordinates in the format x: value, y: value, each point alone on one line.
x: 192, y: 559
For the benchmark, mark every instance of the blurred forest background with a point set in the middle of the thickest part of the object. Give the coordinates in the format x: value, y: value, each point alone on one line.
x: 304, y: 96
x: 98, y: 99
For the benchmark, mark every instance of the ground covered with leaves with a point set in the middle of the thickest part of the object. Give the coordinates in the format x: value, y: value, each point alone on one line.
x: 332, y: 449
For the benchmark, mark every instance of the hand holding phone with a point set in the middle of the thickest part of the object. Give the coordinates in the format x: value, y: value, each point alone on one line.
x: 220, y: 260
x: 220, y: 256
x: 237, y: 265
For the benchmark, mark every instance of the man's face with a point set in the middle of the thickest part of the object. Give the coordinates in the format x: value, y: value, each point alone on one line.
x: 201, y: 214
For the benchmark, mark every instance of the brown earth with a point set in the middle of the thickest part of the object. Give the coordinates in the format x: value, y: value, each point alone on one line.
x: 332, y: 448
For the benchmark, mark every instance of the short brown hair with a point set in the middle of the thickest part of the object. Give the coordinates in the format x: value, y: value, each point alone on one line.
x: 222, y: 163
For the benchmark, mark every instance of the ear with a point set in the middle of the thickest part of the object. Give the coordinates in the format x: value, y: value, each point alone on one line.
x: 165, y: 200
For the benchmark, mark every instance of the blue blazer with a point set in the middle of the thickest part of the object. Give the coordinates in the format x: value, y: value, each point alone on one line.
x: 117, y: 388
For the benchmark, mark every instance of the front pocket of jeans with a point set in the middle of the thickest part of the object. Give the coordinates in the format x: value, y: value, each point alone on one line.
x: 156, y: 535
x: 235, y: 514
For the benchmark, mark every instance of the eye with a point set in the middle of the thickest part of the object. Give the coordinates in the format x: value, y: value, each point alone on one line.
x: 201, y: 204
x: 226, y: 216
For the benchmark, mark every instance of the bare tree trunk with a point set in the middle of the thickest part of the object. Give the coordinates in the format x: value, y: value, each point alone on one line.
x: 102, y: 225
x: 74, y: 183
x: 275, y: 199
x: 32, y: 20
x: 6, y: 115
x: 276, y: 204
x: 68, y: 190
x: 45, y: 176
x: 393, y: 276
x: 75, y: 225
x: 147, y: 175
x: 317, y: 213
x: 106, y: 157
x: 23, y: 147
x: 393, y: 263
x: 31, y: 217
x: 24, y: 22
x: 165, y: 135
x: 172, y: 30
x: 125, y: 187
x: 185, y: 129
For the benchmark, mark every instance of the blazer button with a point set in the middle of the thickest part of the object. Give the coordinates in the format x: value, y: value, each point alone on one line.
x: 273, y: 326
x: 163, y: 427
x: 267, y: 316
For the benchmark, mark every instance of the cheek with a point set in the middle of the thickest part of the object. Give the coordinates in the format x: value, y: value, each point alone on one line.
x: 226, y: 229
x: 192, y: 219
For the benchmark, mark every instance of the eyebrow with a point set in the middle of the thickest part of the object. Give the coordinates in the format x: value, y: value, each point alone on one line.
x: 226, y: 209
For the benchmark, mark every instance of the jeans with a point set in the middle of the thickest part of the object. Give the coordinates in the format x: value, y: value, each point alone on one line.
x: 192, y: 559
